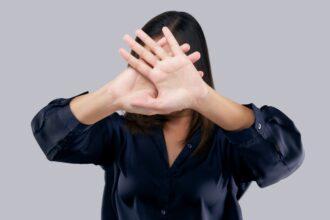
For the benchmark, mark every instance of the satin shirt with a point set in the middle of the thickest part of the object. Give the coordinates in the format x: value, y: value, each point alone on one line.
x: 139, y: 184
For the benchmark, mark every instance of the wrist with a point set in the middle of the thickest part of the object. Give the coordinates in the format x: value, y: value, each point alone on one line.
x: 108, y: 99
x: 201, y: 97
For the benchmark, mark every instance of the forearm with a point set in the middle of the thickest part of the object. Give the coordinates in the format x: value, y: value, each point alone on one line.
x: 94, y: 106
x: 226, y: 113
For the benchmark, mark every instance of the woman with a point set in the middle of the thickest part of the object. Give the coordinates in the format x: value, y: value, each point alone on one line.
x: 181, y: 150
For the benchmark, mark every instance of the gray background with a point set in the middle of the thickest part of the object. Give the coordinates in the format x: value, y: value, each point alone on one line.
x: 266, y: 52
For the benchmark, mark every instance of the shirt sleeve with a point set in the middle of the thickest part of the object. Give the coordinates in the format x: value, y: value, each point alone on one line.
x: 63, y: 138
x: 268, y: 151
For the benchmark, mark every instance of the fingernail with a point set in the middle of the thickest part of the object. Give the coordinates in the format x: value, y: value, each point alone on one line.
x: 137, y: 31
x: 125, y: 37
x: 120, y: 51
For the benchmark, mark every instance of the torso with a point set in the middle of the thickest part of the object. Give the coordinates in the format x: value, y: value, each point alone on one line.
x: 173, y: 146
x: 150, y: 186
x: 174, y: 131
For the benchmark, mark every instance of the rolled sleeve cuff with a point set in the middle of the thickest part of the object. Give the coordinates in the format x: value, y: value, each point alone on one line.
x: 68, y: 120
x: 55, y: 123
x: 259, y: 126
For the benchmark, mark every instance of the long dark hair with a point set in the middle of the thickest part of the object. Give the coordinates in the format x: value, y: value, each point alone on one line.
x: 186, y: 29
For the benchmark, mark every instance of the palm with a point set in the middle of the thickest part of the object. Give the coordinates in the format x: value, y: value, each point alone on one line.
x: 183, y: 82
x: 176, y: 79
x: 128, y: 86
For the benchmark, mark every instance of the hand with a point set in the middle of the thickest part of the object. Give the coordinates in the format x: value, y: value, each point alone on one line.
x: 178, y: 82
x: 129, y: 85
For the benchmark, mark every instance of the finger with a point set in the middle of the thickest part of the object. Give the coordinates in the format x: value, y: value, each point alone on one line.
x: 140, y: 50
x: 158, y: 50
x: 201, y: 73
x: 136, y: 64
x: 162, y: 41
x: 185, y: 47
x: 174, y: 45
x: 195, y: 56
x: 193, y: 59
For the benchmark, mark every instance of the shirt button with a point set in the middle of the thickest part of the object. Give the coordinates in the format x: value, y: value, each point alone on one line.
x: 259, y: 126
x: 189, y: 146
x: 163, y: 211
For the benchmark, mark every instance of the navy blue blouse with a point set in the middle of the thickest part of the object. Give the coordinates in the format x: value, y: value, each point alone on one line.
x: 139, y: 184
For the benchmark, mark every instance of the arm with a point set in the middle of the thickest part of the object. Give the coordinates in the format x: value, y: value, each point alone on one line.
x: 232, y: 117
x: 261, y: 144
x: 81, y: 129
x: 90, y: 108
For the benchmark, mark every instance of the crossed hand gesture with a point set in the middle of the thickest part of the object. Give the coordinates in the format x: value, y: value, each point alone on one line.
x: 160, y: 81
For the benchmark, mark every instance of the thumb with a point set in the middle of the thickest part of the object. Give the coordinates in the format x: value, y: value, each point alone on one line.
x: 194, y: 57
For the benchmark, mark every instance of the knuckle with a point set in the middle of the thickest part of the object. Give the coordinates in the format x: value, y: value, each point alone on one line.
x: 155, y: 61
x: 155, y: 71
x: 144, y: 53
x: 139, y: 66
x: 134, y: 64
x: 158, y: 50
